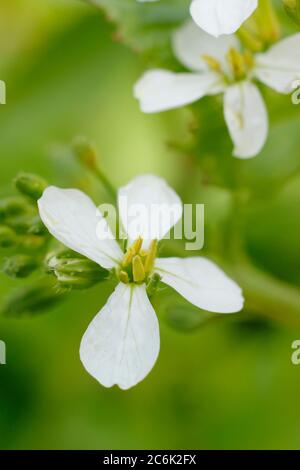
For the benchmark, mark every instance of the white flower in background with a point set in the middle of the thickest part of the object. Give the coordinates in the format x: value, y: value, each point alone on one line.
x: 220, y: 66
x: 218, y: 17
x: 122, y: 342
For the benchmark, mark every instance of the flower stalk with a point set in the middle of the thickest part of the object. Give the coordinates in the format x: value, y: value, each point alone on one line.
x: 86, y: 155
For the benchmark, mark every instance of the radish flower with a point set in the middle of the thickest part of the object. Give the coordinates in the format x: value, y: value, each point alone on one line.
x: 219, y: 17
x: 221, y: 66
x: 122, y: 342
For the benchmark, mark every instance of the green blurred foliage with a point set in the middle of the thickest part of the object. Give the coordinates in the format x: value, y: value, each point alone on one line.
x: 226, y: 383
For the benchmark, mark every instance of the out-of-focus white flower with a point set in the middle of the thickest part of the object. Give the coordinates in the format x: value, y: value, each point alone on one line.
x: 219, y: 65
x: 218, y: 17
x: 122, y: 342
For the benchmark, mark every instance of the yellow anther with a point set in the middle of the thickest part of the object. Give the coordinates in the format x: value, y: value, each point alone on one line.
x: 137, y: 245
x: 128, y: 257
x: 131, y: 252
x: 213, y: 63
x: 143, y: 253
x: 248, y: 57
x: 237, y: 63
x: 149, y: 262
x: 123, y: 276
x: 138, y: 270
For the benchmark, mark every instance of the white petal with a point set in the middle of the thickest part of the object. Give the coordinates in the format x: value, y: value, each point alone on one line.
x: 218, y: 17
x: 202, y: 283
x: 73, y: 219
x: 121, y: 344
x: 246, y: 118
x: 149, y: 208
x: 191, y: 43
x: 160, y: 90
x: 279, y: 68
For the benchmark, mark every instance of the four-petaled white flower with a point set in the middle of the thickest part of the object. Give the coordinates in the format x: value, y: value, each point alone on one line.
x: 218, y: 17
x: 220, y: 65
x: 122, y: 342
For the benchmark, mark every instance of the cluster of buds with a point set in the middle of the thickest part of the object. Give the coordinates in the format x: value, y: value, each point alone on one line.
x: 24, y: 245
x: 22, y: 233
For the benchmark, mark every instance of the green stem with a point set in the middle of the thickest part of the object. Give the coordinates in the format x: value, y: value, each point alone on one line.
x: 105, y: 182
x: 86, y: 154
x: 265, y: 295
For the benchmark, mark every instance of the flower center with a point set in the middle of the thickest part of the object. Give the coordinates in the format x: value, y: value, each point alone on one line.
x: 137, y: 263
x: 240, y: 64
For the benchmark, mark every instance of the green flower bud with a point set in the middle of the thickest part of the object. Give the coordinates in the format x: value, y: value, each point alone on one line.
x: 30, y: 185
x: 31, y: 300
x: 87, y: 156
x: 293, y: 9
x: 12, y: 206
x: 85, y: 152
x: 19, y: 266
x: 26, y: 224
x: 8, y: 237
x: 32, y: 242
x: 74, y: 271
x: 153, y: 284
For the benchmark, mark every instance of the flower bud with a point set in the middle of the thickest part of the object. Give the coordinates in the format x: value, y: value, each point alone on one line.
x: 293, y: 9
x: 8, y: 237
x: 153, y: 284
x: 74, y: 271
x: 12, y: 206
x: 30, y: 185
x: 32, y: 242
x: 85, y: 152
x: 32, y: 299
x: 27, y: 224
x: 19, y: 266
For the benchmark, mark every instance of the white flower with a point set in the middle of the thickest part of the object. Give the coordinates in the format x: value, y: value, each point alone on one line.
x: 219, y: 65
x: 218, y: 17
x: 122, y: 342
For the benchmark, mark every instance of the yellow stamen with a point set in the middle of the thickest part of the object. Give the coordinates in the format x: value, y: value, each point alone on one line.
x: 138, y: 270
x: 137, y: 245
x: 248, y: 57
x: 131, y: 252
x: 123, y: 276
x: 237, y: 63
x: 128, y: 257
x: 213, y: 63
x: 149, y: 262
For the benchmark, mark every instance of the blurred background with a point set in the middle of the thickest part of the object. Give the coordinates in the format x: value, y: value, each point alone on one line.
x: 223, y: 385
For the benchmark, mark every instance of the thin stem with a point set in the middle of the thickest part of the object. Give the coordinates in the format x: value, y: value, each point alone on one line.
x: 265, y: 295
x: 86, y: 154
x: 105, y: 182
